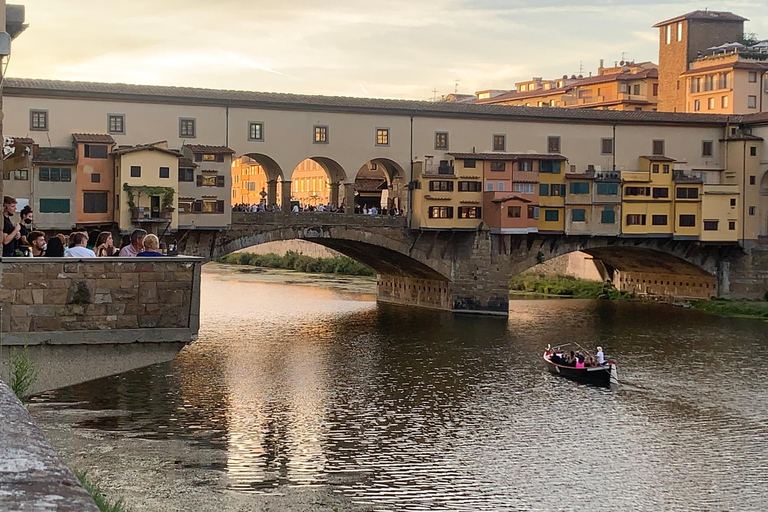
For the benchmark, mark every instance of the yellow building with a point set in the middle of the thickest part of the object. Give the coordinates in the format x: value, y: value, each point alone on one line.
x: 727, y: 83
x: 147, y: 182
x: 647, y: 198
x: 448, y: 194
x: 310, y: 185
x: 720, y: 213
x: 552, y: 192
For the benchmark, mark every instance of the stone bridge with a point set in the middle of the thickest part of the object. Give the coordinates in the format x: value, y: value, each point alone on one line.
x: 463, y: 271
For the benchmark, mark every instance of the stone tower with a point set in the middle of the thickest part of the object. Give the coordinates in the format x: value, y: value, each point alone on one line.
x: 680, y: 40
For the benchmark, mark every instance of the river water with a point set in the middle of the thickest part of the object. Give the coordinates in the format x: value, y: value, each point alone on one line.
x: 314, y: 397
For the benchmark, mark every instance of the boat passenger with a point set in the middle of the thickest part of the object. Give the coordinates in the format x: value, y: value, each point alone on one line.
x: 600, y: 357
x: 579, y: 363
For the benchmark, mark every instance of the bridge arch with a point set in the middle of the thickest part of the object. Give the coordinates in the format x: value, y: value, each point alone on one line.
x: 391, y: 193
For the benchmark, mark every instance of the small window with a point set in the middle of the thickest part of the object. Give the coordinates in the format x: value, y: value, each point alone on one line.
x: 44, y: 174
x: 187, y: 128
x: 382, y: 136
x: 135, y: 171
x: 752, y: 180
x: 470, y: 164
x: 608, y: 189
x: 54, y: 205
x: 21, y: 175
x: 706, y: 148
x: 679, y: 30
x: 498, y: 166
x: 440, y: 212
x: 441, y: 186
x: 489, y: 186
x: 551, y: 215
x: 753, y: 151
x: 751, y: 101
x: 579, y: 215
x: 533, y: 212
x: 543, y: 189
x: 660, y: 192
x: 636, y: 90
x: 665, y: 168
x: 710, y: 225
x: 687, y: 221
x: 753, y: 77
x: 320, y: 134
x: 186, y: 175
x: 659, y: 220
x: 470, y: 186
x: 731, y: 225
x: 514, y: 212
x: 525, y: 165
x: 634, y: 219
x: 711, y: 104
x: 579, y: 188
x: 751, y: 210
x: 733, y: 202
x: 553, y: 144
x: 500, y: 186
x: 724, y: 102
x: 38, y: 120
x: 95, y: 202
x: 658, y: 147
x: 669, y: 34
x: 96, y: 151
x: 116, y: 124
x: 470, y: 212
x: 606, y: 146
x: 256, y: 131
x: 165, y: 172
x: 549, y: 166
x: 608, y: 216
x: 441, y: 141
x: 499, y: 142
x: 655, y: 89
x: 95, y: 177
x: 655, y: 168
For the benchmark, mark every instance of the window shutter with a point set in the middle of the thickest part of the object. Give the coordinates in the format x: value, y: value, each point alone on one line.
x: 220, y: 181
x: 220, y: 206
x: 199, y: 180
x: 197, y: 206
x: 198, y: 157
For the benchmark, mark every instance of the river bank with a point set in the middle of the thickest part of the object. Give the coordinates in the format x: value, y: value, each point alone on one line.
x: 340, y: 265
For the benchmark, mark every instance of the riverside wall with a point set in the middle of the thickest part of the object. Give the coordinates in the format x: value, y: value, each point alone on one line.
x: 106, y: 300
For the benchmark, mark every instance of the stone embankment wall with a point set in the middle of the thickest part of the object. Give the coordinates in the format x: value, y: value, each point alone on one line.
x: 105, y: 300
x: 745, y: 276
x: 32, y: 476
x: 310, y: 249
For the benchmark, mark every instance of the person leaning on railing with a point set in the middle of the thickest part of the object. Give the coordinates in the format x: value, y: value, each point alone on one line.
x: 151, y: 247
x: 137, y: 244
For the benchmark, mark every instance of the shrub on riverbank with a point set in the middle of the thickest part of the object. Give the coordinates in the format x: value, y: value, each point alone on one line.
x: 94, y: 489
x: 564, y: 286
x: 295, y: 261
x: 746, y: 308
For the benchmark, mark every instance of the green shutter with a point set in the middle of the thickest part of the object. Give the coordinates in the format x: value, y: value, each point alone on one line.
x: 54, y: 205
x: 543, y: 189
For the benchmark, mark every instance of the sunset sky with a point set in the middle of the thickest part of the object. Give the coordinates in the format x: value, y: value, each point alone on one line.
x: 395, y: 49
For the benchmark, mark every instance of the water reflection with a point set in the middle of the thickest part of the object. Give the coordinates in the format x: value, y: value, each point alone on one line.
x: 398, y: 409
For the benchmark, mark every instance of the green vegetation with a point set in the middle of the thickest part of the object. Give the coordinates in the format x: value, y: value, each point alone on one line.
x: 741, y: 308
x: 23, y: 373
x: 565, y: 286
x: 93, y: 488
x: 295, y: 261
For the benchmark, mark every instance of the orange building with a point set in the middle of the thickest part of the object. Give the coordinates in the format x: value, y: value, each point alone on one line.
x: 95, y: 200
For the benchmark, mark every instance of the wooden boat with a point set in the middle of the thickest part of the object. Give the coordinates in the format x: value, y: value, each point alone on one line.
x: 603, y: 375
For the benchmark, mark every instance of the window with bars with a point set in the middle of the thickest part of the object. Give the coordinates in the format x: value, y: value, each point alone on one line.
x: 187, y: 128
x: 553, y: 144
x: 116, y: 124
x: 711, y: 225
x: 441, y: 141
x: 659, y: 220
x: 38, y: 120
x: 499, y: 142
x: 606, y: 146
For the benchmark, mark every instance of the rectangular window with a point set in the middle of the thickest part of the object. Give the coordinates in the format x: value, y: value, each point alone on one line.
x: 711, y: 225
x: 665, y: 168
x: 165, y: 172
x: 659, y: 220
x: 382, y: 136
x: 753, y: 151
x: 751, y: 210
x: 679, y: 30
x: 724, y: 102
x: 706, y: 148
x: 470, y: 186
x: 687, y: 193
x: 441, y: 186
x: 579, y: 188
x: 44, y: 174
x: 469, y: 212
x: 578, y: 215
x: 489, y: 186
x: 752, y: 180
x: 470, y: 164
x: 550, y: 166
x: 606, y: 146
x: 95, y: 177
x: 658, y: 147
x: 440, y: 212
x: 753, y: 77
x: 525, y: 165
x: 441, y: 141
x: 660, y: 192
x: 320, y: 134
x: 637, y: 191
x: 533, y: 212
x: 21, y: 175
x: 187, y: 128
x: 711, y: 104
x: 499, y: 142
x: 553, y: 144
x: 186, y: 175
x: 54, y: 205
x: 209, y: 207
x: 551, y: 215
x: 669, y: 34
x: 733, y: 202
x: 655, y: 89
x: 94, y: 202
x: 96, y: 151
x: 207, y: 181
x: 655, y: 168
x: 498, y: 166
x: 608, y: 189
x: 751, y: 101
x: 543, y: 189
x: 731, y: 225
x: 687, y: 221
x: 500, y: 185
x: 636, y: 89
x: 135, y: 171
x: 514, y: 212
x: 116, y: 124
x: 256, y: 131
x: 38, y: 120
x: 608, y: 216
x: 634, y: 219
x: 525, y: 188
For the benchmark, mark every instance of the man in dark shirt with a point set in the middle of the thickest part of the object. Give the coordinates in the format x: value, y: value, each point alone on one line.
x: 11, y: 232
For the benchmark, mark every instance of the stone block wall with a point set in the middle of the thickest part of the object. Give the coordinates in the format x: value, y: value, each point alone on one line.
x: 97, y: 298
x: 745, y: 276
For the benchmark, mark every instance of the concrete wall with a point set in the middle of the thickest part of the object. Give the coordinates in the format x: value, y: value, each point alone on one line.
x: 115, y: 300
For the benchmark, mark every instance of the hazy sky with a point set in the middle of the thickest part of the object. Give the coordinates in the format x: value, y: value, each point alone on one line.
x: 395, y: 49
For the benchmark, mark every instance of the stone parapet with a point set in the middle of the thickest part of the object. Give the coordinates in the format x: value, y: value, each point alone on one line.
x: 32, y: 476
x: 104, y: 300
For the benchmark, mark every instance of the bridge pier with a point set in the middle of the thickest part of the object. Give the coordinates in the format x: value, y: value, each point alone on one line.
x: 349, y: 198
x: 271, y: 192
x: 286, y: 206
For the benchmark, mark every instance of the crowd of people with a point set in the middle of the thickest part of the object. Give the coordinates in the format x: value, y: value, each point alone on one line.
x: 19, y: 239
x: 576, y: 359
x: 297, y: 208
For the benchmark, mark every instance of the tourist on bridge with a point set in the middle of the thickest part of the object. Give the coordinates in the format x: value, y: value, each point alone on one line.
x: 151, y: 247
x: 137, y: 244
x: 11, y: 231
x: 54, y: 248
x: 37, y: 243
x: 105, y: 245
x: 80, y: 250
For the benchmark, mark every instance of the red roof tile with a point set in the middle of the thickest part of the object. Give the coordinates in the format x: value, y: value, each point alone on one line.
x: 506, y: 156
x: 202, y: 148
x: 96, y: 138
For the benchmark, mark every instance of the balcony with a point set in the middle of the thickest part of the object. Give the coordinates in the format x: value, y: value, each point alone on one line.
x: 682, y: 176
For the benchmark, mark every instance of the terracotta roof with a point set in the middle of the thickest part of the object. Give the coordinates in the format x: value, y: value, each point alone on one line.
x: 506, y: 156
x: 658, y: 158
x: 575, y: 176
x: 144, y: 147
x: 97, y: 138
x: 24, y: 140
x: 703, y: 15
x: 282, y: 101
x: 202, y: 148
x: 186, y: 163
x: 370, y: 184
x: 745, y: 136
x: 510, y: 198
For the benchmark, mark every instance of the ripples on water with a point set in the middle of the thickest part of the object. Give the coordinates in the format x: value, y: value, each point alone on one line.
x: 402, y: 409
